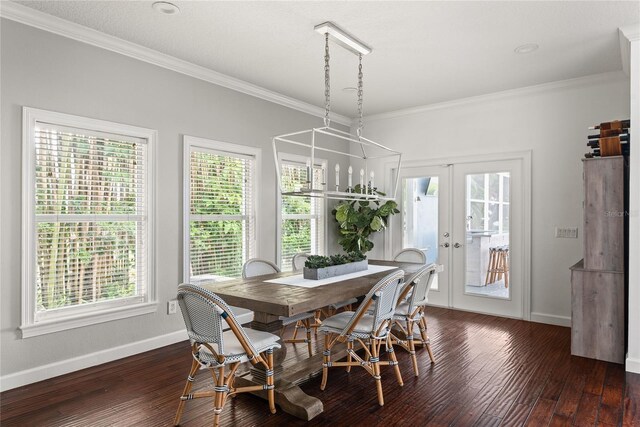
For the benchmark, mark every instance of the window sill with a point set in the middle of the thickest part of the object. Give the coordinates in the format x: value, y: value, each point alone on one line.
x: 78, y: 321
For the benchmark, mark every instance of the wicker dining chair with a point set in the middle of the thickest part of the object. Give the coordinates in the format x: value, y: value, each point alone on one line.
x: 411, y: 255
x: 298, y: 260
x: 410, y: 312
x: 297, y: 263
x: 205, y: 316
x: 307, y: 321
x: 371, y: 330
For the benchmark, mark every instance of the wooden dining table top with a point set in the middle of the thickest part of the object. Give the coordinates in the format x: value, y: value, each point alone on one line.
x: 257, y: 294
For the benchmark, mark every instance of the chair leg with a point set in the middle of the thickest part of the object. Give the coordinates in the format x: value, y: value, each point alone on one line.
x: 295, y: 331
x: 187, y: 388
x: 270, y: 385
x: 326, y: 361
x: 307, y: 325
x: 219, y: 396
x: 412, y: 347
x: 317, y: 321
x: 505, y: 262
x: 425, y: 338
x: 375, y: 365
x: 349, y: 358
x: 393, y: 361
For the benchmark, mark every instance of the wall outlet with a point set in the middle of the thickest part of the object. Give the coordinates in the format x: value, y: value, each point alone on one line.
x: 567, y: 232
x: 172, y: 306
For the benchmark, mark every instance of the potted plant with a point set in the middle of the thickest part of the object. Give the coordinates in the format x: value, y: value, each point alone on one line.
x: 358, y: 219
x: 321, y: 267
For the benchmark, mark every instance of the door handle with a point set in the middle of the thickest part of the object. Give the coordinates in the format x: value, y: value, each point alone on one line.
x: 457, y: 245
x: 445, y: 245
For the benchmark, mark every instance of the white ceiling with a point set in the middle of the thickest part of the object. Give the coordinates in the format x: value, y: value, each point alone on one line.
x: 424, y: 52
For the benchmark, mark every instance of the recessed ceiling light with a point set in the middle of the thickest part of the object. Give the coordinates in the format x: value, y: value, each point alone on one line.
x: 526, y: 48
x: 350, y: 89
x: 166, y: 8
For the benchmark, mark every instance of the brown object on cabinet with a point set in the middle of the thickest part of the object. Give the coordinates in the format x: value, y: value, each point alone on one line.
x: 597, y: 281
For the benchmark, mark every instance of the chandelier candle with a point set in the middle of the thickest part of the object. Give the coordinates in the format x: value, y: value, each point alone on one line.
x: 362, y: 180
x: 350, y: 183
x: 309, y: 173
x: 337, y: 176
x: 371, y: 181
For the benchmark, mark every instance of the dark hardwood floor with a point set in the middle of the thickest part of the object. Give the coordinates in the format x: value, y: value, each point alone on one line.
x: 490, y: 371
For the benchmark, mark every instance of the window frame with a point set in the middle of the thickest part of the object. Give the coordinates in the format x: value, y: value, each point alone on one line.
x: 295, y: 158
x: 190, y: 142
x: 92, y: 313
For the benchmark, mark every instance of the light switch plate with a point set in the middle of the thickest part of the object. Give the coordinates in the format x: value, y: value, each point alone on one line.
x: 172, y: 306
x: 567, y: 232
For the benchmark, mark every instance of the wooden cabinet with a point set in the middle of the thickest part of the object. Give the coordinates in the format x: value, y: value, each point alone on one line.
x: 598, y: 281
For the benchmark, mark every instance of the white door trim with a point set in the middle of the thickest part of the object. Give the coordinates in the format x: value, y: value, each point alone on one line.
x: 525, y: 158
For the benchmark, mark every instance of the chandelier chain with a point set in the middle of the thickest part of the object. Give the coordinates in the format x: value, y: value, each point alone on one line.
x: 327, y: 82
x: 360, y: 121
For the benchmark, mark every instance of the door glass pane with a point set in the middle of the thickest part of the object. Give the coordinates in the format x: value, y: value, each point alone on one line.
x: 487, y: 239
x: 420, y: 217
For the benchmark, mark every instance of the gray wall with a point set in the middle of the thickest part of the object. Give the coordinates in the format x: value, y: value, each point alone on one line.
x: 50, y: 72
x: 550, y: 121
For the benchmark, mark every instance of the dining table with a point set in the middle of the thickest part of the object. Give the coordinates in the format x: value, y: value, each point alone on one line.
x: 288, y: 294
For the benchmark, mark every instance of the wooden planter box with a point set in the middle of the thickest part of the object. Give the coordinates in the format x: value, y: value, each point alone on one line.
x: 334, y: 270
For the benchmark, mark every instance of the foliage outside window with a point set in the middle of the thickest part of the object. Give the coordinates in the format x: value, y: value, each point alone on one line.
x: 88, y: 240
x: 302, y: 218
x: 220, y: 214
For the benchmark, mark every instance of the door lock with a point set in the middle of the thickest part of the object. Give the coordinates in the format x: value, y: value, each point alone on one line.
x: 457, y: 245
x: 445, y: 245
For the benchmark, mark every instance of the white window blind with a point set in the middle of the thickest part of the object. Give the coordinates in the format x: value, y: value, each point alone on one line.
x: 302, y: 218
x: 90, y: 230
x: 221, y: 213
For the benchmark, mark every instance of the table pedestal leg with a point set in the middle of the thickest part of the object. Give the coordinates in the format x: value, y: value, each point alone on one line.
x: 289, y: 397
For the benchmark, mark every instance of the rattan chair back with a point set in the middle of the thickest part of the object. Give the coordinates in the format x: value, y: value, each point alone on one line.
x: 411, y: 255
x: 298, y: 260
x: 205, y: 316
x: 258, y: 267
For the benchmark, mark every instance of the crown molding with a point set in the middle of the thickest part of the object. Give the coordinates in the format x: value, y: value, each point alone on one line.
x: 43, y: 21
x: 495, y: 96
x: 626, y: 36
x: 631, y: 32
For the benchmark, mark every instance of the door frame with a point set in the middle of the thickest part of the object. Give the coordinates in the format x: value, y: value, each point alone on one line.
x: 525, y: 158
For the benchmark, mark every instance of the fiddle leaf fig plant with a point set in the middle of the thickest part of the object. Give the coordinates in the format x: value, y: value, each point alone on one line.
x: 358, y: 219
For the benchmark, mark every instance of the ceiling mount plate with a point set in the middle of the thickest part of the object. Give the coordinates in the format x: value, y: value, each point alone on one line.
x: 343, y: 38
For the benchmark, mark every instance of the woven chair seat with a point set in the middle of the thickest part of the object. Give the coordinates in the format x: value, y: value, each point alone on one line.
x: 402, y: 311
x: 337, y: 323
x: 243, y: 315
x: 286, y: 321
x: 233, y: 351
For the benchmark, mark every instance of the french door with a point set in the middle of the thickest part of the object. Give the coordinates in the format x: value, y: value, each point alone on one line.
x: 469, y: 217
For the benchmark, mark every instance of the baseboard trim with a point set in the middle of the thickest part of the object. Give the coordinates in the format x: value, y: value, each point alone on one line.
x: 551, y: 319
x: 29, y: 376
x: 632, y: 365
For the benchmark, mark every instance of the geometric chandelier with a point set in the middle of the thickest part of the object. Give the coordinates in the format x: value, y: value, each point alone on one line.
x: 360, y: 151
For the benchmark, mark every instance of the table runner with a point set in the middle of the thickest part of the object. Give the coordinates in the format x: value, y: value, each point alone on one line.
x: 298, y: 280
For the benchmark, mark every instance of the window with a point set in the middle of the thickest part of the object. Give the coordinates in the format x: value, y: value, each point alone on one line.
x: 488, y: 202
x: 87, y: 222
x: 302, y: 219
x: 219, y: 217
